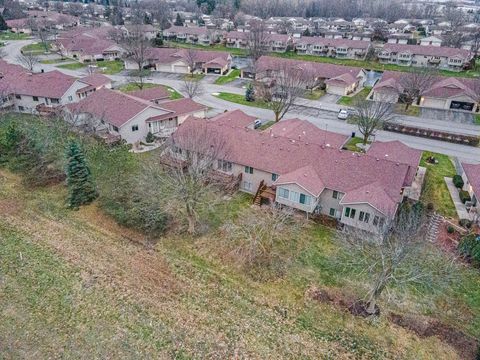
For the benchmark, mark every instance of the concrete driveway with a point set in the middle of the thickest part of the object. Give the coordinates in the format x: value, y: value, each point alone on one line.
x: 330, y: 98
x: 447, y: 115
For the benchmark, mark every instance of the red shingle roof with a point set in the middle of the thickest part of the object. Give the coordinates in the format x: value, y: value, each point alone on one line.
x: 334, y: 169
x: 473, y: 175
x: 52, y: 84
x: 428, y: 50
x: 151, y: 94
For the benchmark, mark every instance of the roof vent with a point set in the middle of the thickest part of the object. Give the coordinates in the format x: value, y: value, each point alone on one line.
x: 368, y: 192
x: 377, y: 159
x: 305, y: 175
x: 304, y: 133
x: 386, y: 155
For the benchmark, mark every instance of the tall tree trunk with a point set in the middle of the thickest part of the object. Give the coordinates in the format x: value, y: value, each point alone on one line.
x: 380, y: 285
x: 277, y: 116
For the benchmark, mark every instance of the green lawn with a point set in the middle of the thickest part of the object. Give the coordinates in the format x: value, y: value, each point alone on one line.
x: 72, y: 66
x: 411, y: 111
x: 133, y: 86
x: 352, y: 144
x: 56, y: 61
x: 216, y: 47
x: 7, y: 35
x: 35, y: 48
x: 232, y: 75
x: 266, y: 125
x: 174, y: 94
x: 350, y: 100
x: 111, y: 67
x: 314, y: 95
x: 195, y: 77
x: 476, y: 119
x: 240, y: 99
x: 435, y: 190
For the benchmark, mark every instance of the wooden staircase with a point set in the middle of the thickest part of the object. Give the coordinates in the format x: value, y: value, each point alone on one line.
x: 432, y: 230
x: 264, y: 192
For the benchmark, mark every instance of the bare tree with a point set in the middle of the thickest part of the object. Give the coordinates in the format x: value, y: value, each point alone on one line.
x: 455, y: 16
x: 41, y: 29
x: 287, y: 85
x: 187, y: 183
x: 137, y: 50
x: 28, y: 60
x: 396, y: 256
x: 257, y: 39
x: 414, y: 83
x: 454, y: 39
x: 190, y: 57
x: 192, y: 87
x: 266, y: 237
x: 371, y: 116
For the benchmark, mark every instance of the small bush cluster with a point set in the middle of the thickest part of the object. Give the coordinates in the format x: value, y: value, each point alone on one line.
x: 465, y: 223
x: 464, y: 196
x: 458, y: 181
x: 470, y: 246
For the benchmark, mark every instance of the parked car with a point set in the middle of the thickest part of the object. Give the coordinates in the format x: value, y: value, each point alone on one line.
x: 343, y: 114
x: 257, y: 123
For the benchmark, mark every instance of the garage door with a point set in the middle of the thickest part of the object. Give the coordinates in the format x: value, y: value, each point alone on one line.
x: 181, y: 69
x: 461, y: 105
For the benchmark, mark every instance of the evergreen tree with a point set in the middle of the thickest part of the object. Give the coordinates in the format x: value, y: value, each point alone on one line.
x: 307, y: 32
x: 3, y: 24
x: 81, y: 188
x: 178, y: 20
x: 249, y: 93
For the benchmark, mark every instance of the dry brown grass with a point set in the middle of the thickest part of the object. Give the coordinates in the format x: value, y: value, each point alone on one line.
x: 120, y: 296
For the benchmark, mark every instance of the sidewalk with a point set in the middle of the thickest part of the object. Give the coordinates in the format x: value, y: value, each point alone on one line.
x: 462, y: 211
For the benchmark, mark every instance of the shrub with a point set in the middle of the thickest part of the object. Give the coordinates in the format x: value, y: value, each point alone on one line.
x: 150, y: 138
x: 464, y: 196
x: 470, y: 246
x: 249, y: 93
x: 465, y: 223
x: 430, y: 206
x: 450, y: 229
x: 458, y: 181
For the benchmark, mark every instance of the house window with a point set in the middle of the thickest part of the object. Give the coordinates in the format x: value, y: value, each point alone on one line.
x: 54, y: 101
x: 283, y: 193
x: 70, y: 98
x: 335, y: 194
x: 35, y: 98
x: 134, y: 127
x: 350, y: 213
x: 274, y: 177
x: 332, y: 212
x: 294, y: 196
x: 381, y: 222
x: 21, y: 108
x: 225, y: 166
x: 247, y: 185
x: 248, y: 170
x: 18, y: 96
x: 115, y: 128
x: 305, y: 199
x: 377, y: 220
x: 364, y: 216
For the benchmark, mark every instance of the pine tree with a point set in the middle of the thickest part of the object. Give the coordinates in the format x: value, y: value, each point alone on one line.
x: 249, y: 93
x: 178, y: 20
x: 3, y: 24
x: 81, y: 188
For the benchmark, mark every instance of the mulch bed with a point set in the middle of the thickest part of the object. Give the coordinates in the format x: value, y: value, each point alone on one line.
x: 446, y: 241
x: 466, y: 346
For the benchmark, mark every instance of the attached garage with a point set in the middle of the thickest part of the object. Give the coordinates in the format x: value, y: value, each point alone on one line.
x: 462, y: 105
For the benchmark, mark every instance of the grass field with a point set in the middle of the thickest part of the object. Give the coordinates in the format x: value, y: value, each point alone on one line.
x: 194, y: 77
x: 240, y: 99
x: 350, y: 100
x: 174, y: 94
x: 56, y: 61
x: 476, y: 119
x: 84, y: 285
x: 411, y: 111
x: 216, y: 47
x: 314, y: 95
x: 232, y: 75
x: 7, y: 35
x: 72, y: 66
x: 35, y: 48
x: 435, y: 190
x: 352, y: 144
x: 111, y: 67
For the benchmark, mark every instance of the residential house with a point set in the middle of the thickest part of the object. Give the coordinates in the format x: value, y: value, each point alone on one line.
x: 86, y: 48
x: 339, y: 79
x: 149, y: 31
x: 156, y: 94
x: 471, y: 181
x: 45, y: 19
x: 181, y: 61
x: 236, y: 39
x: 339, y: 48
x: 446, y: 93
x: 358, y: 190
x: 192, y: 35
x: 131, y: 118
x: 402, y: 39
x: 425, y: 56
x: 431, y: 41
x: 277, y: 42
x: 93, y: 83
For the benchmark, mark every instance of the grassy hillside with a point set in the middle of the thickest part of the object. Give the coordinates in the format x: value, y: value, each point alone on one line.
x: 85, y: 285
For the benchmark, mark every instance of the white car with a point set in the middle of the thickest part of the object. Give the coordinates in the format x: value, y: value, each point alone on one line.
x: 343, y: 114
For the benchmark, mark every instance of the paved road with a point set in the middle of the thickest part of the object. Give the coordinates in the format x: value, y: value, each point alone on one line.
x: 322, y: 114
